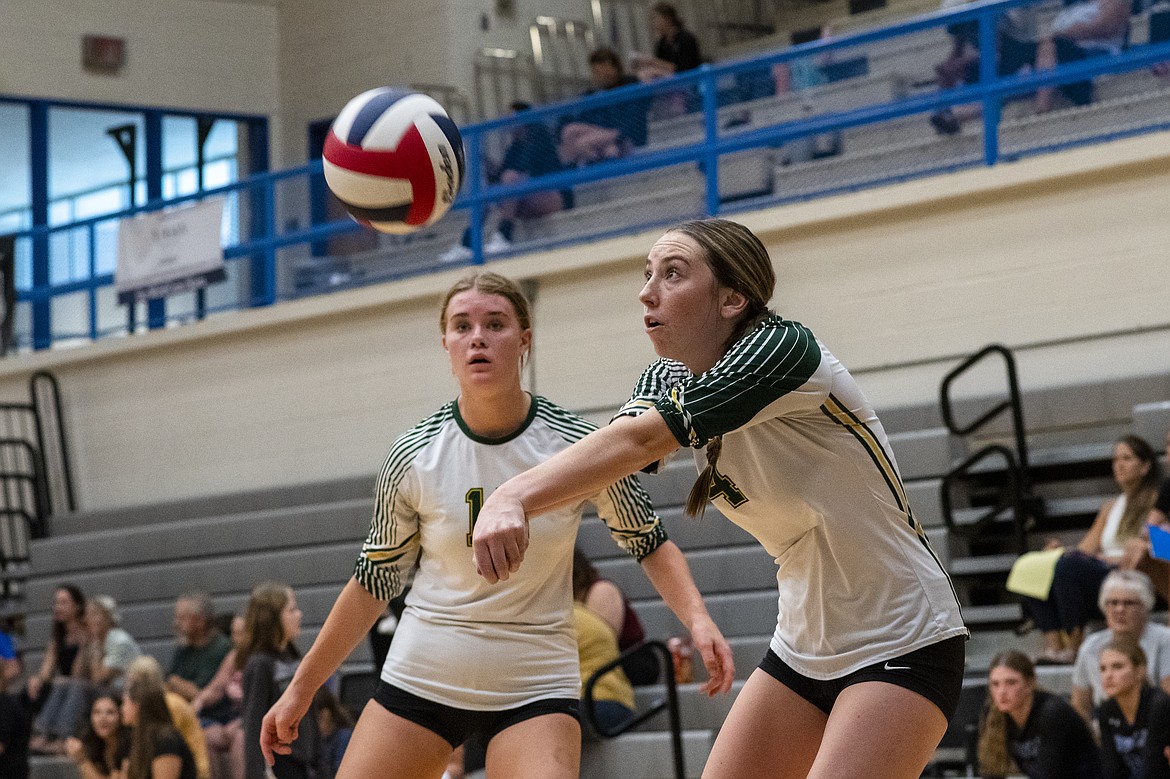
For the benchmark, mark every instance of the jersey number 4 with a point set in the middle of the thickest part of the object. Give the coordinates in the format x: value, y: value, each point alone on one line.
x: 721, y: 485
x: 474, y: 499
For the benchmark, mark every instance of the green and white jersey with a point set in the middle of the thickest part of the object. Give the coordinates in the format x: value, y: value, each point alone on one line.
x: 806, y: 468
x: 463, y: 642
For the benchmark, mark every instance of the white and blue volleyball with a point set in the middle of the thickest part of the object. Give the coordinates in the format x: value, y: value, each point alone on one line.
x: 394, y: 159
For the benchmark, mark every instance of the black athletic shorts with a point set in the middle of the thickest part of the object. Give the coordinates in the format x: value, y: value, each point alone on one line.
x: 935, y: 672
x: 455, y: 725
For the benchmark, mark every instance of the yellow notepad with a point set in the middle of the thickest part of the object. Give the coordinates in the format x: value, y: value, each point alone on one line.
x: 1032, y: 574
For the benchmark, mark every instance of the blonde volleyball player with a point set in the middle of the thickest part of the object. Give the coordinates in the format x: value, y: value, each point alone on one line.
x: 469, y: 656
x: 866, y: 662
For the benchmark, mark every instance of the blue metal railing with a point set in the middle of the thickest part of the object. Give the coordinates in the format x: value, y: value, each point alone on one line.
x: 263, y: 210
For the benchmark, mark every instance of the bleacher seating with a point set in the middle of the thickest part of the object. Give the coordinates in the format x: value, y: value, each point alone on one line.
x: 146, y: 556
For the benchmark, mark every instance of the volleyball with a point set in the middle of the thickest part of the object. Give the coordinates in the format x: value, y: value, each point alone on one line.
x: 394, y: 159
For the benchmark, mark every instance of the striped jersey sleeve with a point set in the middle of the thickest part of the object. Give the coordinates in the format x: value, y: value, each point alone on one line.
x: 655, y: 382
x: 392, y: 546
x: 776, y: 360
x: 624, y: 506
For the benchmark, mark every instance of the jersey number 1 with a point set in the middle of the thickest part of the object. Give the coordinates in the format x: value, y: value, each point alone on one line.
x: 474, y: 501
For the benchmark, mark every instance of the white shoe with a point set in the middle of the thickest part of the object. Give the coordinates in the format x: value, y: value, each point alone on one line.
x: 457, y: 253
x: 496, y: 243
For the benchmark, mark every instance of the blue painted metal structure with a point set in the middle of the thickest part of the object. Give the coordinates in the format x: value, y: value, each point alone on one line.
x: 264, y: 240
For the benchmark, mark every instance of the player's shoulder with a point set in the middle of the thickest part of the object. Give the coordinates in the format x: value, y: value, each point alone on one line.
x: 407, y: 445
x: 565, y: 423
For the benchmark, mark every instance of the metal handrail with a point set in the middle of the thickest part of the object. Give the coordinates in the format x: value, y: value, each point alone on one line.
x: 1016, y: 493
x: 1020, y: 497
x: 666, y: 668
x: 1012, y: 403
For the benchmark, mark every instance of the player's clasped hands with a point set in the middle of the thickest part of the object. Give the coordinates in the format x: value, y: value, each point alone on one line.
x: 500, y: 538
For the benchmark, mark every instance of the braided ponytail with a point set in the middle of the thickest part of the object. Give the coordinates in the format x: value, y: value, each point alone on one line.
x: 700, y: 492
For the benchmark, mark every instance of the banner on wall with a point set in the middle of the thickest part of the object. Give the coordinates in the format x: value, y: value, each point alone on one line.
x: 7, y: 290
x: 168, y: 252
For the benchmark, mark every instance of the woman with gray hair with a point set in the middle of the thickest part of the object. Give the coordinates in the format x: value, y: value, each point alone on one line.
x: 1126, y: 599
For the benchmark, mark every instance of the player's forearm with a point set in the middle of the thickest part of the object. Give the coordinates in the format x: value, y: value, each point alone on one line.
x: 668, y: 571
x: 350, y: 619
x: 592, y: 464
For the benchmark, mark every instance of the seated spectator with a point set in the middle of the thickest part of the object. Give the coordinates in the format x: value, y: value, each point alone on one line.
x: 676, y: 48
x: 1015, y: 39
x: 1036, y: 730
x: 96, y: 753
x: 336, y: 726
x: 606, y: 600
x: 613, y: 695
x: 1134, y: 722
x: 54, y: 681
x: 1092, y: 28
x: 219, y: 705
x: 146, y: 670
x: 156, y: 749
x: 15, y: 731
x: 1114, y: 540
x: 531, y: 152
x: 269, y: 658
x: 1126, y: 600
x: 110, y: 649
x: 201, y: 647
x: 605, y: 132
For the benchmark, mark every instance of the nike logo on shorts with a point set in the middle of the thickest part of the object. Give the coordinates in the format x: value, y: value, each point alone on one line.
x: 888, y: 667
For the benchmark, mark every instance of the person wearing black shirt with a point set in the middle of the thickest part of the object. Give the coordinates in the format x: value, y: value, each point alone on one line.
x: 1135, y: 720
x: 609, y: 131
x: 1041, y: 733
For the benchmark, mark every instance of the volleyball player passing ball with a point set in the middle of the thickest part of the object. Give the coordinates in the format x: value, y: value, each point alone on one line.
x: 866, y: 663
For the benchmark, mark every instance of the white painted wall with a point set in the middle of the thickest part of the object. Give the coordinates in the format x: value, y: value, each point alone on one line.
x: 180, y: 53
x: 1060, y: 257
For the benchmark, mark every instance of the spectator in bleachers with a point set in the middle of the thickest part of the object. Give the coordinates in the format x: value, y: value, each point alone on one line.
x: 157, y: 750
x: 613, y: 695
x: 605, y: 132
x: 468, y: 659
x: 58, y: 666
x: 146, y: 670
x: 1015, y: 39
x: 110, y: 649
x: 219, y: 705
x: 1031, y: 730
x: 1134, y: 722
x: 1126, y: 600
x: 1091, y: 28
x: 101, y: 661
x: 1114, y: 539
x: 201, y: 646
x: 268, y: 658
x: 15, y: 731
x: 676, y: 48
x: 336, y: 727
x: 531, y: 152
x: 98, y: 751
x: 607, y: 601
